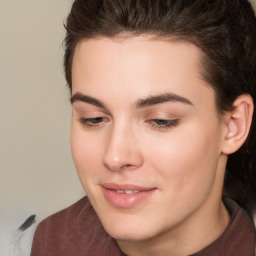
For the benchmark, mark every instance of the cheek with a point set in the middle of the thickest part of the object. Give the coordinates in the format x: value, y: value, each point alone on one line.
x: 86, y: 152
x: 187, y: 159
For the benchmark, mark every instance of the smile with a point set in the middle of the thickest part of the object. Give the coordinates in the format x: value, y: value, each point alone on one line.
x: 128, y: 192
x: 126, y: 196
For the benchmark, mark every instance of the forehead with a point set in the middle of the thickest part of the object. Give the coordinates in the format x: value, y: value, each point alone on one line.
x: 137, y: 67
x: 133, y: 51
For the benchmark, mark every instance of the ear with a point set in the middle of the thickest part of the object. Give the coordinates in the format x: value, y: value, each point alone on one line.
x: 238, y: 123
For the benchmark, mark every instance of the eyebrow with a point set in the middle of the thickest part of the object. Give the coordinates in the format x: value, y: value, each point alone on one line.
x: 87, y: 99
x: 161, y: 98
x: 141, y: 103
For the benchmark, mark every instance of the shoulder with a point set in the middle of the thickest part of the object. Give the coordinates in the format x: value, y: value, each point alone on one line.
x: 67, y: 218
x: 239, y: 236
x: 69, y: 231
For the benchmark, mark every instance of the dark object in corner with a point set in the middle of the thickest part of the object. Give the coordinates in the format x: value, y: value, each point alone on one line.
x: 28, y: 223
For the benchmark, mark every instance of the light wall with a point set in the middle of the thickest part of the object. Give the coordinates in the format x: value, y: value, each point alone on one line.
x: 37, y: 174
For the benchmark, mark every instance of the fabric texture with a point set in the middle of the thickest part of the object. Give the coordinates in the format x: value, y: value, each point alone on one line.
x: 77, y: 231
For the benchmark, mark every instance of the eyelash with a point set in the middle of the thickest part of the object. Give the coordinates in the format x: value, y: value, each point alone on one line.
x: 163, y: 124
x: 91, y: 122
x: 158, y: 124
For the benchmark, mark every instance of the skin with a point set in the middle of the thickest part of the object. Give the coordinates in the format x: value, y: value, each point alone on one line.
x: 116, y: 138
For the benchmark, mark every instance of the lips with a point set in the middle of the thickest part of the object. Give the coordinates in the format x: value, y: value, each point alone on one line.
x: 126, y: 195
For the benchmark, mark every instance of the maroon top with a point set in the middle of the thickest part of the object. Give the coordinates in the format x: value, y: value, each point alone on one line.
x: 77, y: 231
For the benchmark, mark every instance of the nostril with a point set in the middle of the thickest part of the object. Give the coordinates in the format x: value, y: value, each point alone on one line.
x: 129, y: 167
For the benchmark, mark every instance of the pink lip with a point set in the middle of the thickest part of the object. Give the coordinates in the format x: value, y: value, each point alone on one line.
x: 123, y: 200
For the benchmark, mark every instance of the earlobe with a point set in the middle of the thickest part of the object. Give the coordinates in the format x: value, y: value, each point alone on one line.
x: 238, y: 123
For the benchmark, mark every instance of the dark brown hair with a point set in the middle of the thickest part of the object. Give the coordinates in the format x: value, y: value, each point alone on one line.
x: 224, y: 30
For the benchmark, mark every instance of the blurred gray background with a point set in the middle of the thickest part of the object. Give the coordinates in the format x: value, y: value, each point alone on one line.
x: 37, y: 175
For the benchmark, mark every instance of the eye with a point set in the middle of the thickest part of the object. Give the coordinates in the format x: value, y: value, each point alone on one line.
x: 92, y: 122
x: 163, y: 124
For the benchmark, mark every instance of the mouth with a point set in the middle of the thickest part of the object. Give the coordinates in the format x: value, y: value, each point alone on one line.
x: 128, y: 192
x: 126, y: 195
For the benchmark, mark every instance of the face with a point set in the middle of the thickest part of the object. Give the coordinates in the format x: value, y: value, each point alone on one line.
x: 146, y: 138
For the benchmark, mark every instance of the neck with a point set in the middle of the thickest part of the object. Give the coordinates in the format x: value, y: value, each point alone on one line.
x: 185, y: 238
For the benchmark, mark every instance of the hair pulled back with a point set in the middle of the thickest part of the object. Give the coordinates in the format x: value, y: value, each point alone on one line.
x: 224, y: 30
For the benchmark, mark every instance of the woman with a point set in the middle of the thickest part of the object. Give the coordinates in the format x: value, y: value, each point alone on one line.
x: 163, y: 131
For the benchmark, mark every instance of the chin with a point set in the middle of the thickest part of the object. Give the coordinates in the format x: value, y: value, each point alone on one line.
x: 129, y: 228
x: 129, y: 235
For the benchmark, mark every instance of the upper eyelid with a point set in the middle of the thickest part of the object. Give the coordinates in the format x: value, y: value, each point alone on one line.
x: 88, y: 112
x: 162, y: 115
x: 91, y: 113
x: 81, y: 106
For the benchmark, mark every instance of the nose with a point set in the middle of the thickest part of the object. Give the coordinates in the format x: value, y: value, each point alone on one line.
x: 122, y: 150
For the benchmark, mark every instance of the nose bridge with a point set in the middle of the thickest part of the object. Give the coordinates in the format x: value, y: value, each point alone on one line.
x: 122, y: 149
